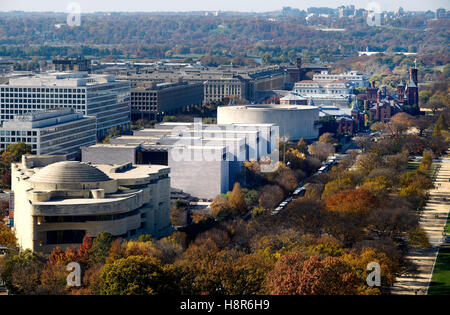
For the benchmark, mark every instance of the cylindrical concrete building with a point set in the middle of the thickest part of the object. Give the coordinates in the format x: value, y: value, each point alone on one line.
x: 295, y: 121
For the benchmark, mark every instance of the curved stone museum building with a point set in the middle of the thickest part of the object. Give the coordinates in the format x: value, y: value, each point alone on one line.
x: 56, y: 202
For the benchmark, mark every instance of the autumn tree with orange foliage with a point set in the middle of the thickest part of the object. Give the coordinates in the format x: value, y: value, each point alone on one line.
x: 220, y: 207
x: 354, y: 202
x: 295, y: 274
x: 237, y: 199
x: 7, y: 236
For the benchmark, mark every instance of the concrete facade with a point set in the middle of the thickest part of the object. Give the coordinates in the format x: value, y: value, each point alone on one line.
x: 205, y: 159
x: 56, y: 132
x: 206, y: 176
x: 218, y: 83
x: 57, y: 202
x: 355, y: 78
x: 105, y: 153
x: 295, y: 122
x: 155, y: 99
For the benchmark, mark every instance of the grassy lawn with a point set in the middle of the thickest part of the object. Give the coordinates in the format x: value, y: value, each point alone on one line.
x: 440, y: 283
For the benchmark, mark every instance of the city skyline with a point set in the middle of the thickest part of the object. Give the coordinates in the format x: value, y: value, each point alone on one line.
x: 201, y: 5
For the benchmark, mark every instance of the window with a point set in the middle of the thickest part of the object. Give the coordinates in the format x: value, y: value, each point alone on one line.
x: 65, y: 237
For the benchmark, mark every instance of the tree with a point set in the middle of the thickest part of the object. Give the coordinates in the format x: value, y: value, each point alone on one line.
x: 271, y: 196
x: 422, y: 123
x: 14, y: 152
x: 84, y: 251
x: 220, y: 207
x: 178, y: 213
x: 337, y: 185
x: 284, y: 177
x: 354, y: 202
x: 437, y: 144
x: 327, y: 137
x: 21, y: 271
x: 417, y: 178
x: 111, y: 133
x: 302, y: 146
x: 100, y: 247
x: 134, y: 275
x: 368, y: 162
x: 59, y: 257
x: 295, y: 274
x: 425, y: 164
x: 53, y: 280
x: 170, y: 119
x: 359, y: 262
x: 7, y: 236
x: 378, y: 126
x: 413, y: 144
x: 401, y: 122
x: 321, y: 150
x: 379, y: 186
x: 418, y: 238
x: 295, y: 158
x: 91, y: 281
x: 442, y: 123
x: 305, y: 215
x: 26, y: 278
x: 237, y: 199
x: 436, y: 131
x: 392, y: 219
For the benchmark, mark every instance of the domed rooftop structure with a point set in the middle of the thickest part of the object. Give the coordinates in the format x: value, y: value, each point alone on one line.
x: 68, y: 172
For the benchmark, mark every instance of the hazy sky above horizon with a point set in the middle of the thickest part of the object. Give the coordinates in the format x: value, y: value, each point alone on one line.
x: 212, y: 5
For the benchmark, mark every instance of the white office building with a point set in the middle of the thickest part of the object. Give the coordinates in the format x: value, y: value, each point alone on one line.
x: 355, y: 78
x: 92, y: 95
x: 312, y: 88
x: 337, y: 93
x: 56, y: 132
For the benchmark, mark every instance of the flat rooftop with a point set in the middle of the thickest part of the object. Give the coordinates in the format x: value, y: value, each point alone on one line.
x: 135, y: 172
x: 69, y: 79
x: 268, y: 106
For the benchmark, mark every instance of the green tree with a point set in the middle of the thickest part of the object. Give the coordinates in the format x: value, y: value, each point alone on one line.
x: 442, y: 123
x: 100, y: 247
x: 134, y: 275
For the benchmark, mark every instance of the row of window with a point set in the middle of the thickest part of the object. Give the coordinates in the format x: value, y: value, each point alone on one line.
x: 17, y: 133
x: 41, y: 90
x: 18, y: 139
x: 5, y: 145
x: 39, y: 95
x: 43, y: 101
x: 86, y: 218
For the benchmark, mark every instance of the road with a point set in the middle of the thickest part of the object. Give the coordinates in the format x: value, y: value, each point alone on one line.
x: 433, y: 220
x: 331, y: 161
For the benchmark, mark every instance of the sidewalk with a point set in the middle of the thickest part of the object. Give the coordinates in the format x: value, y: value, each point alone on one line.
x: 433, y: 220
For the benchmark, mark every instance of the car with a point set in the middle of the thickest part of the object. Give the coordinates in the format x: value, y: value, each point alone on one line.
x: 447, y: 239
x: 323, y: 168
x: 284, y: 203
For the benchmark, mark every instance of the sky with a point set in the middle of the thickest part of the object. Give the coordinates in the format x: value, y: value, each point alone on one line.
x: 88, y: 6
